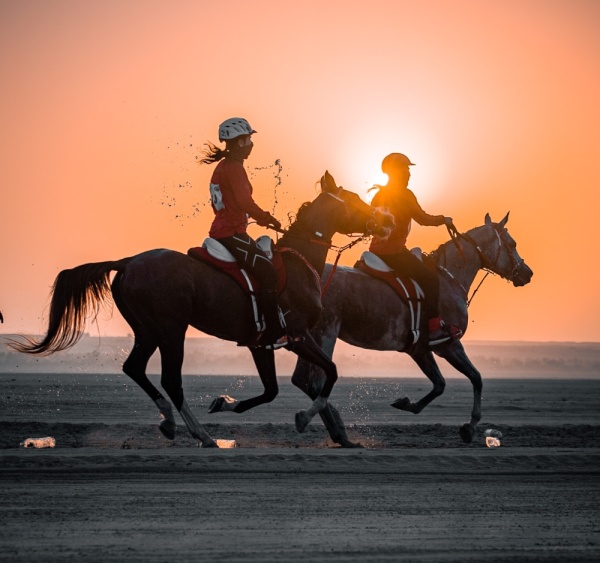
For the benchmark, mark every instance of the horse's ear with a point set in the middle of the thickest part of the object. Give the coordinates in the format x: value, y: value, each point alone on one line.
x: 488, y: 219
x: 328, y: 183
x: 504, y: 221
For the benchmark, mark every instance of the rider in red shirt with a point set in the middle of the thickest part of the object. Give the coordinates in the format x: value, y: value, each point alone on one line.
x: 232, y: 203
x: 403, y: 205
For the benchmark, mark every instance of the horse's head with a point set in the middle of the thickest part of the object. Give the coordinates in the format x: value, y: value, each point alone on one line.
x: 353, y: 215
x: 335, y: 210
x: 498, y: 252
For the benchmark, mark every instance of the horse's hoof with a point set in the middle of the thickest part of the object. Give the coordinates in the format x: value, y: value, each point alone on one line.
x: 302, y: 419
x: 466, y: 433
x: 167, y: 427
x: 350, y: 445
x: 216, y: 405
x: 402, y: 404
x: 207, y: 444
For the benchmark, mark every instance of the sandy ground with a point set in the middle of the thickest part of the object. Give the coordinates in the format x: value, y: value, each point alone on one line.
x: 117, y: 491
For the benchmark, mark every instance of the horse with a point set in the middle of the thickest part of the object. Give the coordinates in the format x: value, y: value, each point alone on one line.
x: 365, y: 312
x: 161, y: 292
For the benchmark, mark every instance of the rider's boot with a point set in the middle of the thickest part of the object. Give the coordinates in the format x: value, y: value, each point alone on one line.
x: 274, y: 333
x: 440, y: 332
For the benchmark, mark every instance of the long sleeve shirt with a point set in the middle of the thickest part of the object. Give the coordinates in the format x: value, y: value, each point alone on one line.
x: 403, y: 205
x: 231, y: 199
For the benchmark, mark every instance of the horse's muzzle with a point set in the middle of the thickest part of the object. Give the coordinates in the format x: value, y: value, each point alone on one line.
x: 522, y: 276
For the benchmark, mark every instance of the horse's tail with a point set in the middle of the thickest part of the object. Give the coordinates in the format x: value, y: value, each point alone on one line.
x: 77, y: 294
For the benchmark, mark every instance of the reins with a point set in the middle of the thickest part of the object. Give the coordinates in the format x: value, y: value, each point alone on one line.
x: 337, y: 259
x: 330, y: 246
x: 487, y: 273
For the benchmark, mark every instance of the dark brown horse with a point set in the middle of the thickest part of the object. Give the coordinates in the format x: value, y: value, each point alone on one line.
x: 162, y: 292
x: 365, y: 312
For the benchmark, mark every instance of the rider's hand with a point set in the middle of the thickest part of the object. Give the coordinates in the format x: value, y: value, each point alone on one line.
x: 448, y: 222
x: 274, y: 223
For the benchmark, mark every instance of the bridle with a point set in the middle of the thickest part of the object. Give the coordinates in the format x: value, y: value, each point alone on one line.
x: 371, y: 223
x: 315, y: 237
x: 489, y: 266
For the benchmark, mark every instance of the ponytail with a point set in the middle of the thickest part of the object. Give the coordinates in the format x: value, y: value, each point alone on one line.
x: 213, y: 154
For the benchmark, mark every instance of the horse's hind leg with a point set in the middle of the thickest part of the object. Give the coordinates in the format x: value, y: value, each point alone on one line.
x: 171, y: 355
x: 135, y: 367
x: 310, y: 351
x: 137, y: 361
x: 309, y: 379
x: 429, y: 367
x: 456, y: 356
x: 265, y: 364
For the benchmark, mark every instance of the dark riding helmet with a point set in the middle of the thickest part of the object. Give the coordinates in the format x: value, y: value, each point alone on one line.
x: 395, y: 161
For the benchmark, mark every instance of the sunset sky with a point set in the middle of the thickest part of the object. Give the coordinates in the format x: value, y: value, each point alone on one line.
x: 105, y: 106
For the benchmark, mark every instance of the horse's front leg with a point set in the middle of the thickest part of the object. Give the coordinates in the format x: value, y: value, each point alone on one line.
x: 429, y: 367
x: 454, y: 353
x: 307, y: 349
x: 265, y: 364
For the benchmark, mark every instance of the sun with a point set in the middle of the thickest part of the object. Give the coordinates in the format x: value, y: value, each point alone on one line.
x: 362, y: 173
x: 357, y: 162
x: 376, y: 179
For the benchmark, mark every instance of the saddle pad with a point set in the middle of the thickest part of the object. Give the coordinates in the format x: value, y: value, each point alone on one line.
x: 373, y: 262
x: 217, y: 250
x: 406, y: 288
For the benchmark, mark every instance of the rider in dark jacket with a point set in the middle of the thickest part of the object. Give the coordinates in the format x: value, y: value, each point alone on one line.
x: 232, y: 203
x: 403, y: 205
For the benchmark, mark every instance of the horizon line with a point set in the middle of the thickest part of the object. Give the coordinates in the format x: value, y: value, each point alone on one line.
x: 209, y: 337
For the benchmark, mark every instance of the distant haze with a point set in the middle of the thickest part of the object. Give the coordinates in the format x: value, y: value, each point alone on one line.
x: 210, y: 356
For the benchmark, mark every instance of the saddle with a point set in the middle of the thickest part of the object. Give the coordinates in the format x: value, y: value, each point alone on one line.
x: 213, y: 253
x: 405, y: 287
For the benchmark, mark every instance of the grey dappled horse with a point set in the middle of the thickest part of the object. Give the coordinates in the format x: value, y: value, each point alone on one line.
x: 365, y: 312
x: 162, y: 292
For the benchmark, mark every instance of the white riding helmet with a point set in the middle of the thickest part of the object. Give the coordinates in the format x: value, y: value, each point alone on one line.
x: 234, y: 127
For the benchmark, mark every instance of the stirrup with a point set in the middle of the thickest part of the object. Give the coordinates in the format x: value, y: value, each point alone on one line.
x: 444, y: 333
x: 279, y: 343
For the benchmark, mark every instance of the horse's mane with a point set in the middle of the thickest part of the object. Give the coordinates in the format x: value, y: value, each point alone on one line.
x: 437, y: 253
x: 296, y: 220
x: 434, y: 254
x: 302, y: 211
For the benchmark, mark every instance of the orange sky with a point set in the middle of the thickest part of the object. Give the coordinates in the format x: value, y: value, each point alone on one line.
x: 105, y: 105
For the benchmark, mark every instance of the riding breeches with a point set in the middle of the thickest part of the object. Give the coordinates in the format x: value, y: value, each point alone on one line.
x: 406, y: 263
x: 249, y: 256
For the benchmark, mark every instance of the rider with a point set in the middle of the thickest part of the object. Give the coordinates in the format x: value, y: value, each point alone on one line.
x: 232, y: 202
x: 403, y: 205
